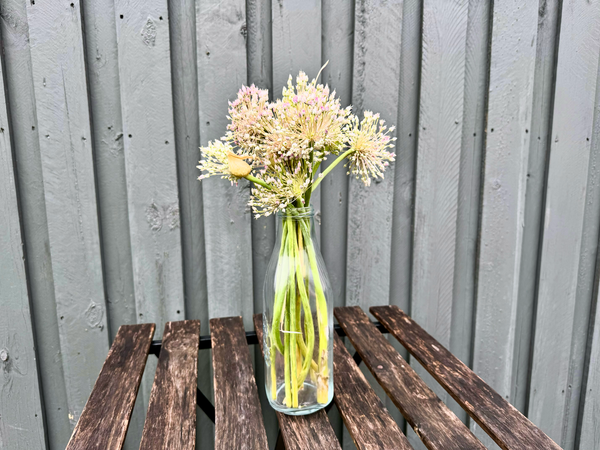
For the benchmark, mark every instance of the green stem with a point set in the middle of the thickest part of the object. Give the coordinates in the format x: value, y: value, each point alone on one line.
x: 309, y: 328
x: 322, y: 319
x: 280, y: 289
x: 291, y: 305
x: 257, y: 181
x: 330, y: 168
x: 311, y: 188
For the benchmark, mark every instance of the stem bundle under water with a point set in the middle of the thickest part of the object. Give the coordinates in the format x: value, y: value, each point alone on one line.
x: 294, y: 335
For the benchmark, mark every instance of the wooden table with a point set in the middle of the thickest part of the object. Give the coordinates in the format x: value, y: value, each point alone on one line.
x: 171, y: 417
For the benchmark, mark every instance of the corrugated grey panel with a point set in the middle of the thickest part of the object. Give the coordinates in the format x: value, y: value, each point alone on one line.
x: 21, y: 410
x: 438, y: 172
x: 570, y: 229
x: 222, y: 69
x: 512, y: 64
x: 184, y: 69
x: 543, y: 95
x: 19, y: 83
x: 65, y: 140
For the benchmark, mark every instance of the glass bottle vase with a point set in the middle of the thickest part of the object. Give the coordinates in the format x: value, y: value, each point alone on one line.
x: 297, y: 319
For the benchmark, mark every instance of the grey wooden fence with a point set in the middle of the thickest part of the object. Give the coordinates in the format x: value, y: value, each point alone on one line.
x: 486, y: 230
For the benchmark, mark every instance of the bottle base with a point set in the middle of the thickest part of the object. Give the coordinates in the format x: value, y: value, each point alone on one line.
x: 307, y: 403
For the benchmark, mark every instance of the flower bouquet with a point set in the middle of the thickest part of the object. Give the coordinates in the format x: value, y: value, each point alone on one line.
x: 279, y: 146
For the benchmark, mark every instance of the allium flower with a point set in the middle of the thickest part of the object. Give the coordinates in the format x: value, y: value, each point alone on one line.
x: 218, y: 158
x: 248, y: 115
x: 285, y: 189
x: 308, y: 122
x: 368, y: 141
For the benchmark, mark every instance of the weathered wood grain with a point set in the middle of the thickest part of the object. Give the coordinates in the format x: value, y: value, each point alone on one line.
x: 503, y: 422
x: 510, y: 100
x: 377, y: 39
x: 20, y: 397
x: 65, y: 142
x: 104, y: 421
x: 438, y: 169
x: 184, y: 72
x: 24, y: 129
x: 222, y: 70
x: 365, y: 416
x: 590, y: 437
x: 539, y: 151
x: 302, y: 432
x: 238, y: 415
x: 431, y: 420
x: 171, y: 418
x: 568, y: 249
x: 147, y: 109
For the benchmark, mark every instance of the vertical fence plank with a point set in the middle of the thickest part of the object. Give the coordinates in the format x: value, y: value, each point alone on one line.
x: 147, y: 108
x: 111, y: 182
x: 589, y: 436
x: 375, y: 87
x: 338, y: 43
x: 543, y: 95
x: 406, y: 150
x: 291, y: 19
x: 184, y: 69
x: 472, y: 138
x: 260, y: 73
x: 375, y: 84
x: 109, y: 157
x: 337, y: 21
x: 291, y: 54
x: 512, y: 64
x: 57, y: 54
x: 22, y: 423
x: 438, y: 164
x: 19, y: 83
x: 221, y: 47
x: 568, y: 246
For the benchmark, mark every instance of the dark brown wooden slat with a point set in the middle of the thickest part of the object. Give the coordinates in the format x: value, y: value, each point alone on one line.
x: 509, y: 428
x: 302, y: 432
x: 171, y: 419
x: 105, y: 418
x: 434, y: 423
x: 367, y: 420
x: 238, y: 416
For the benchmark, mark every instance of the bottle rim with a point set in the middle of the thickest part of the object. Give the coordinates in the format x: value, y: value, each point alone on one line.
x: 306, y: 212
